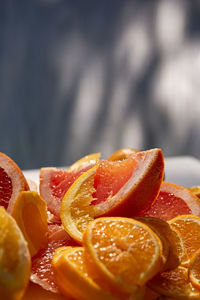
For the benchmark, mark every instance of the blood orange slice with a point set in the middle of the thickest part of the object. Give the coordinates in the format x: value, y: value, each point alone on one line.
x: 12, y: 182
x: 120, y: 188
x: 173, y: 200
x: 54, y: 182
x: 42, y: 271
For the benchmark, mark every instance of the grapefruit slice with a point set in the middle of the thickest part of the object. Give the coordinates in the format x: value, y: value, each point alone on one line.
x: 54, y: 182
x: 12, y: 182
x: 173, y: 200
x: 120, y: 188
x: 42, y: 271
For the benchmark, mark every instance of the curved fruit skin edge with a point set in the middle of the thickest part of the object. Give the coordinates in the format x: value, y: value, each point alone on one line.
x: 63, y: 267
x: 192, y: 200
x: 65, y: 209
x: 122, y: 154
x: 25, y: 199
x: 137, y: 194
x: 19, y: 182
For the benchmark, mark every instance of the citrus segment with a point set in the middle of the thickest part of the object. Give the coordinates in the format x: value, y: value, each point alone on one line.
x: 54, y: 183
x: 173, y: 200
x: 41, y: 271
x: 30, y: 213
x: 113, y: 248
x: 112, y: 188
x: 72, y: 277
x: 76, y: 212
x: 194, y: 269
x: 12, y: 181
x: 141, y: 186
x: 111, y: 176
x: 122, y: 154
x: 14, y: 259
x: 189, y: 228
x: 176, y: 247
x: 174, y: 284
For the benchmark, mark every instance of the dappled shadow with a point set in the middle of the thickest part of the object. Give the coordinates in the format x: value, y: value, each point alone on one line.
x: 84, y: 76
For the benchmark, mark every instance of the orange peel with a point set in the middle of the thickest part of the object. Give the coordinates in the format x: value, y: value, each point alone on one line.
x: 30, y: 213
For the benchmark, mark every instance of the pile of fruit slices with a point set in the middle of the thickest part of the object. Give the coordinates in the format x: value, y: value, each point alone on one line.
x: 102, y: 229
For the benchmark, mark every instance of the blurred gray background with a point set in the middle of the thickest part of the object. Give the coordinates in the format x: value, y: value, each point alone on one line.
x: 78, y: 77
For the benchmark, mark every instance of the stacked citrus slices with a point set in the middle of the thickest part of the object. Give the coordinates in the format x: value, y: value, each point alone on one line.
x: 101, y: 229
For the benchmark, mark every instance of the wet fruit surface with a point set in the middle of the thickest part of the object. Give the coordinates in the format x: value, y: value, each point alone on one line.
x: 167, y: 206
x: 62, y: 180
x: 42, y: 272
x: 110, y: 177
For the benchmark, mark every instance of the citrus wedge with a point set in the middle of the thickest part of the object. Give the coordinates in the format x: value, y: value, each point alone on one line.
x: 76, y: 212
x: 113, y: 248
x: 12, y: 181
x: 112, y: 188
x: 30, y: 213
x: 54, y: 183
x: 14, y: 259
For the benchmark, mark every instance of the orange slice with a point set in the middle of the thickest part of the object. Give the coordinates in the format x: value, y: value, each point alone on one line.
x: 12, y: 181
x: 176, y: 248
x: 113, y: 248
x: 122, y: 154
x: 166, y: 247
x: 72, y: 277
x: 76, y: 212
x: 174, y: 284
x: 112, y: 188
x: 70, y: 268
x: 189, y: 228
x: 30, y: 213
x: 14, y: 259
x: 194, y: 269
